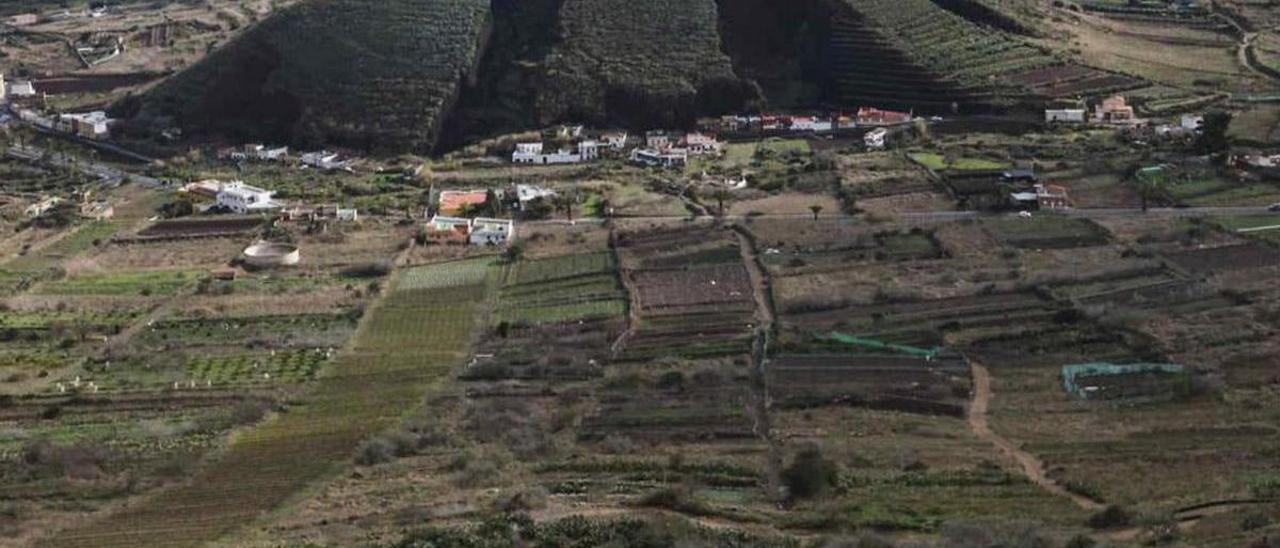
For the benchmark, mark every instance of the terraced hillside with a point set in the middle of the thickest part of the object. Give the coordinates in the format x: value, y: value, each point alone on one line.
x: 365, y: 73
x: 387, y: 75
x: 593, y: 61
x: 639, y: 61
x: 902, y: 45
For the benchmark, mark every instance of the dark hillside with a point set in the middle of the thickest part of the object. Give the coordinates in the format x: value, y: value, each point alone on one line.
x: 603, y: 62
x: 644, y: 64
x: 431, y: 75
x: 503, y: 96
x: 783, y: 46
x: 328, y: 71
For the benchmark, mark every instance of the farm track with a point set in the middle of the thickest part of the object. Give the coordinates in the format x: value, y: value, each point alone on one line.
x: 1031, y: 466
x: 634, y: 306
x: 265, y: 467
x: 760, y: 400
x: 1245, y: 53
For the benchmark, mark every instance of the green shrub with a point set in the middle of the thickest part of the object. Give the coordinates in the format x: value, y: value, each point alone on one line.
x: 810, y: 474
x: 1110, y: 517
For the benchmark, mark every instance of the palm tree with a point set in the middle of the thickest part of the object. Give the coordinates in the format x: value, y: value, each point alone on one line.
x: 564, y: 202
x: 1149, y: 188
x: 721, y: 195
x: 816, y: 209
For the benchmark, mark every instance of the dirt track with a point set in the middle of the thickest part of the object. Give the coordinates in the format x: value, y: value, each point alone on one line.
x: 1031, y: 466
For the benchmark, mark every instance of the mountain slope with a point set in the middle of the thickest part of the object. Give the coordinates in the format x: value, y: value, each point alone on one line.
x: 373, y: 74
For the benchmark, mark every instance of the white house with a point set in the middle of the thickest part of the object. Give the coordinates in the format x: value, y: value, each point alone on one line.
x: 671, y: 157
x: 528, y: 193
x: 1064, y: 116
x: 241, y: 198
x: 262, y: 152
x: 876, y: 139
x: 479, y: 231
x: 569, y: 132
x: 657, y: 140
x: 1192, y: 122
x: 535, y: 153
x: 22, y: 88
x: 616, y: 140
x: 810, y: 123
x: 39, y: 208
x: 323, y: 159
x: 701, y: 143
x: 90, y: 125
x: 492, y: 231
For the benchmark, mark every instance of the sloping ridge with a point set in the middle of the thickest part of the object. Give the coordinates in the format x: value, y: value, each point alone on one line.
x: 370, y: 74
x: 657, y: 63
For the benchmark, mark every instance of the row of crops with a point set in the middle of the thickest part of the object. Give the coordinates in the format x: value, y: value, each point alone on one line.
x: 915, y: 54
x: 948, y: 44
x: 294, y: 366
x: 143, y: 282
x: 570, y: 287
x: 406, y: 345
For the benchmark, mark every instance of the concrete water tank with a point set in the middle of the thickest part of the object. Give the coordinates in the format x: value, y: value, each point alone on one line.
x: 269, y: 254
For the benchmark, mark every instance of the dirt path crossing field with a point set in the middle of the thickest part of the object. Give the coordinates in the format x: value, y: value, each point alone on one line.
x: 1031, y: 466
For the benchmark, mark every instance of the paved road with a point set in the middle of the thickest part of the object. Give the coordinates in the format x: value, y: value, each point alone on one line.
x: 943, y: 216
x: 108, y: 177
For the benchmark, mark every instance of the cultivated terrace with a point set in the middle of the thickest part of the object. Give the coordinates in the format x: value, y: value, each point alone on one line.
x: 458, y: 274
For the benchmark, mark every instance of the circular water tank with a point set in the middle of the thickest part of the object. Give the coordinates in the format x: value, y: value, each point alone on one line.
x: 268, y: 254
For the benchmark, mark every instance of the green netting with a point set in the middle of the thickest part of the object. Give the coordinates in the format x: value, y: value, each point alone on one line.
x: 880, y: 345
x: 1070, y: 373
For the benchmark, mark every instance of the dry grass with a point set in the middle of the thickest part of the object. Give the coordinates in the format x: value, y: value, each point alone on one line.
x: 1145, y: 50
x: 315, y: 301
x: 208, y: 253
x: 783, y: 204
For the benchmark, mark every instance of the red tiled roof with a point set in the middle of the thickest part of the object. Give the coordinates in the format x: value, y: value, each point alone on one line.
x: 452, y: 202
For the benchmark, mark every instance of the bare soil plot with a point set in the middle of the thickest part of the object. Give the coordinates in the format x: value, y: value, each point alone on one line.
x: 165, y: 255
x: 900, y: 383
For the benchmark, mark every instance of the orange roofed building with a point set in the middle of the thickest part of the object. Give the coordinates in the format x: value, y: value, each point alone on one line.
x: 871, y: 116
x: 456, y: 202
x: 1114, y: 110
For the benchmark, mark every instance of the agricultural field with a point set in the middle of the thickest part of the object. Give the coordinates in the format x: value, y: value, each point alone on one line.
x: 389, y: 365
x: 560, y: 288
x: 797, y: 343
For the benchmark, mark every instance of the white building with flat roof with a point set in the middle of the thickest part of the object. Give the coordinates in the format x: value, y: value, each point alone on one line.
x: 241, y: 198
x: 536, y: 153
x: 1064, y: 116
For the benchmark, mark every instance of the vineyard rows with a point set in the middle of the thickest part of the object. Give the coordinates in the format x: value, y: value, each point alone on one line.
x: 406, y: 345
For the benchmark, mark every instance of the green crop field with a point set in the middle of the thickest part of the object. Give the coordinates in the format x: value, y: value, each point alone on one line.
x: 1047, y: 231
x: 291, y: 366
x: 80, y: 239
x: 561, y: 288
x: 406, y: 345
x: 1256, y: 226
x: 938, y: 162
x: 152, y: 282
x: 452, y: 274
